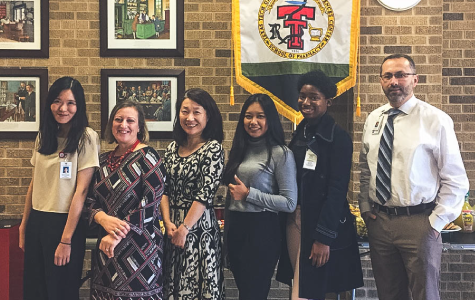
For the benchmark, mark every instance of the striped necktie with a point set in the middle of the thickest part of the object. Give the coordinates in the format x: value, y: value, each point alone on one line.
x: 383, y: 174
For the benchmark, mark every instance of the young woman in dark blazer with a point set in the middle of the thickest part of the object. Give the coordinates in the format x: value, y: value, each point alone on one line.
x: 322, y: 252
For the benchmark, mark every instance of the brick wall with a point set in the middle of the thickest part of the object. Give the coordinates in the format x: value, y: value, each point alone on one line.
x: 458, y: 76
x: 458, y: 100
x: 439, y: 34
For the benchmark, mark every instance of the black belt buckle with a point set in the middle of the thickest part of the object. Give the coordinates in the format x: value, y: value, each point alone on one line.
x: 407, y: 210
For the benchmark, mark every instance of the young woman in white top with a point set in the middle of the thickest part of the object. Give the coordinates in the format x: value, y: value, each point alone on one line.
x: 64, y: 159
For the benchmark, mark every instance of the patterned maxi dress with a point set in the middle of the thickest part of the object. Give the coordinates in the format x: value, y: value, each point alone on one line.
x: 195, y: 272
x: 131, y: 193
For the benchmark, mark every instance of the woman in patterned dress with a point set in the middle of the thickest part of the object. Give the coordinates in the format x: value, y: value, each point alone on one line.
x: 194, y: 163
x: 124, y: 200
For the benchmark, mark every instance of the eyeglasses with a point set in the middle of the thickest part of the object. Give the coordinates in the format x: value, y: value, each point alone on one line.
x: 397, y: 75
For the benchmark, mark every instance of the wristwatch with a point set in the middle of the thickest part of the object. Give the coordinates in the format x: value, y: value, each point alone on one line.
x: 399, y: 5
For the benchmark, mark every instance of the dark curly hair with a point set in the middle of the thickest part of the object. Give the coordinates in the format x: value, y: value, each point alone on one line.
x: 318, y: 79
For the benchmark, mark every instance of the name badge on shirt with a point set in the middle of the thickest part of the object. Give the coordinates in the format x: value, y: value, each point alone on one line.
x: 310, y: 161
x: 65, y: 170
x: 377, y: 125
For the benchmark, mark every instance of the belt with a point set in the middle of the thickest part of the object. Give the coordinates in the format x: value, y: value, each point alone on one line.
x: 404, y: 210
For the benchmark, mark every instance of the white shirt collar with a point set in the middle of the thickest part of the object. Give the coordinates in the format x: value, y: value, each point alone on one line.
x: 405, y: 108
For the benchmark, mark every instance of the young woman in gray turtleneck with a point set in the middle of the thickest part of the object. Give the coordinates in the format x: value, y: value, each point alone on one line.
x: 261, y: 179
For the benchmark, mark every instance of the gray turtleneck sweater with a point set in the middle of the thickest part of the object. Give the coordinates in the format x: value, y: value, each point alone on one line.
x: 272, y: 188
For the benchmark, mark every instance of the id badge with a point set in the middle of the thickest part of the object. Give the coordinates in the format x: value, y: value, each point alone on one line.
x: 377, y: 125
x: 310, y: 161
x: 65, y: 170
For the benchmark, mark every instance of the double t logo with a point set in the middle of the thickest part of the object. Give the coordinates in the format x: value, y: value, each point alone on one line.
x: 293, y: 19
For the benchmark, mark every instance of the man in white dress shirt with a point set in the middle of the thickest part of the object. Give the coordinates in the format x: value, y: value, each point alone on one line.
x: 410, y: 188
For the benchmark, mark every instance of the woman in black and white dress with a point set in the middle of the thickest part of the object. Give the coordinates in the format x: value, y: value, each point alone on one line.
x: 194, y: 163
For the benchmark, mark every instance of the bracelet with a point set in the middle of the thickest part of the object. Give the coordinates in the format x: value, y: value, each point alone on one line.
x: 69, y: 244
x: 186, y: 226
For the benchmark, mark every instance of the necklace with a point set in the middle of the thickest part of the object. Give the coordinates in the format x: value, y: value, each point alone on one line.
x: 305, y: 131
x: 114, y: 162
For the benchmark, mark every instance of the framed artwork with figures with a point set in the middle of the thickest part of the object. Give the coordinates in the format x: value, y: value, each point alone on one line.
x: 142, y: 28
x: 156, y: 90
x: 22, y: 98
x: 24, y: 28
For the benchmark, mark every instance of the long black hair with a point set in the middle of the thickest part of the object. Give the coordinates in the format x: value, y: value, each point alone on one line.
x: 274, y: 135
x: 49, y: 128
x: 214, y: 126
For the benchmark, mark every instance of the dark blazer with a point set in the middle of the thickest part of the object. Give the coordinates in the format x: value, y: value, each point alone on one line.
x: 325, y: 212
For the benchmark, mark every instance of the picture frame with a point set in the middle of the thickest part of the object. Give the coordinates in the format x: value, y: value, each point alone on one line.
x: 141, y: 28
x: 24, y: 28
x: 23, y: 95
x: 144, y: 86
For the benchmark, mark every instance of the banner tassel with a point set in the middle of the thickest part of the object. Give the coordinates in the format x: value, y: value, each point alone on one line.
x: 358, y: 106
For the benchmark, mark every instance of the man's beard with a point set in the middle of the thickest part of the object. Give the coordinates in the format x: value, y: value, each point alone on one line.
x: 396, y: 95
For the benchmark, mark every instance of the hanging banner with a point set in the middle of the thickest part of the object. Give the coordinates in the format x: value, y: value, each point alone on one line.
x: 275, y: 41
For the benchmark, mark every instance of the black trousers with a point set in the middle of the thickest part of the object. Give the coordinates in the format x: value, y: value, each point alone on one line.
x: 253, y: 251
x: 42, y: 279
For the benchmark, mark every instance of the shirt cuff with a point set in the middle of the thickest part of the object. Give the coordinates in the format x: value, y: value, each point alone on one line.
x: 251, y: 196
x: 365, y: 207
x: 436, y: 222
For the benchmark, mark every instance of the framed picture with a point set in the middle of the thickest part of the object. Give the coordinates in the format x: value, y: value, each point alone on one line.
x: 22, y: 97
x: 156, y: 90
x: 24, y: 28
x: 142, y: 28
